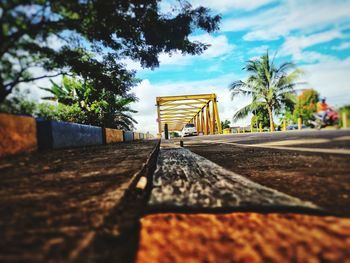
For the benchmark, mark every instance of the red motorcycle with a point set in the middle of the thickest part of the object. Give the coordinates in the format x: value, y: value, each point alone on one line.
x: 330, y: 119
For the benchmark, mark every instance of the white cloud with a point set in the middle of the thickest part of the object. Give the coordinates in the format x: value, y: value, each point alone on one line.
x: 214, y: 68
x: 331, y: 79
x: 219, y: 46
x: 311, y: 57
x: 224, y: 6
x: 307, y: 16
x: 147, y: 93
x: 261, y: 35
x: 258, y: 50
x: 342, y: 46
x: 132, y: 64
x: 294, y: 45
x: 174, y: 59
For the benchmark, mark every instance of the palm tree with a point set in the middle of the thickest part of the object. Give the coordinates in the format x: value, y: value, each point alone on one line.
x: 118, y: 113
x: 269, y: 86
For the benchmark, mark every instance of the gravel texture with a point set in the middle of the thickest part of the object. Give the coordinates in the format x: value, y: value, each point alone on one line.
x: 243, y: 237
x: 73, y: 205
x: 323, y: 179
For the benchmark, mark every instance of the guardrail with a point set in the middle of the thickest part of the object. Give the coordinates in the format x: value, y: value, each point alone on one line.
x: 25, y: 134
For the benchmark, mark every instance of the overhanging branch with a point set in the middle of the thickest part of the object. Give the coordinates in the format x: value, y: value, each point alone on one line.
x: 12, y: 84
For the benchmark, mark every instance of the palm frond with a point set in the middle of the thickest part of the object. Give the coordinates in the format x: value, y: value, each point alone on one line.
x: 241, y: 87
x: 242, y: 113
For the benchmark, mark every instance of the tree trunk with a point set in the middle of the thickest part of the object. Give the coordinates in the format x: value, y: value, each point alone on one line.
x: 272, y: 126
x: 3, y: 93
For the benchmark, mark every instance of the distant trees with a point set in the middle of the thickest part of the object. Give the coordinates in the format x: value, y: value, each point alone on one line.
x: 260, y: 115
x: 89, y: 39
x: 269, y: 86
x: 225, y: 124
x: 306, y: 105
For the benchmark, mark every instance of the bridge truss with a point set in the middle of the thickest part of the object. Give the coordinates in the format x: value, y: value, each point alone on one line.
x: 201, y: 110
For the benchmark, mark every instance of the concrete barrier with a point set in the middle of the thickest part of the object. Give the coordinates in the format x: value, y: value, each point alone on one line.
x: 56, y: 135
x: 128, y: 136
x: 24, y: 134
x: 113, y: 135
x: 17, y: 134
x: 136, y: 136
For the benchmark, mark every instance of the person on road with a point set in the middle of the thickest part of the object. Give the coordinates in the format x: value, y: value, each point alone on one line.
x: 322, y: 108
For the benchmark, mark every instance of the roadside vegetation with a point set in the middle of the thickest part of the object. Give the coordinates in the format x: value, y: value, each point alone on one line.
x: 273, y: 93
x: 75, y: 101
x: 270, y: 87
x: 89, y: 43
x: 225, y: 124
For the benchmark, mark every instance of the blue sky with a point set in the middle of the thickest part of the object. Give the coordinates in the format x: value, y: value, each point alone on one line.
x: 313, y: 34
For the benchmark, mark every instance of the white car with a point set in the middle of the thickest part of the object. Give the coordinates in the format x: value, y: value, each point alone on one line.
x: 188, y: 130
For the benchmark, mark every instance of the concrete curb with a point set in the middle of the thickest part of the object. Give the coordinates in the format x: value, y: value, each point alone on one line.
x: 58, y: 135
x: 112, y: 135
x: 17, y: 134
x: 128, y: 136
x: 20, y: 134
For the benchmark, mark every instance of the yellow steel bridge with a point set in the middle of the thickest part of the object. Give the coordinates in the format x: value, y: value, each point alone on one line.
x: 201, y: 110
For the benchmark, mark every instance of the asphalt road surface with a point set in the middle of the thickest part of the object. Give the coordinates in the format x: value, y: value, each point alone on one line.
x: 311, y: 165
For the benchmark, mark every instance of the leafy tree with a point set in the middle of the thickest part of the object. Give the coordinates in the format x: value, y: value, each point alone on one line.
x: 100, y: 107
x: 260, y: 116
x: 60, y: 112
x: 287, y: 116
x: 225, y: 124
x: 66, y: 93
x: 269, y: 86
x: 117, y: 112
x: 306, y: 105
x: 91, y: 38
x: 18, y: 103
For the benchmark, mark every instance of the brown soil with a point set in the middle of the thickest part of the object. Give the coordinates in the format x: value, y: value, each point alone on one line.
x: 321, y: 178
x: 243, y: 237
x: 73, y: 205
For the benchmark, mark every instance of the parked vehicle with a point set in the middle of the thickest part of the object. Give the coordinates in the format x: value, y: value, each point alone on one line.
x: 189, y: 130
x: 330, y: 119
x: 295, y: 127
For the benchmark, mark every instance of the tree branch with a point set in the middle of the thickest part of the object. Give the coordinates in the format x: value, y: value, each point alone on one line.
x: 12, y: 84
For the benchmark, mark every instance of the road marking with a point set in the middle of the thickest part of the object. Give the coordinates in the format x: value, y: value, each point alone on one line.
x: 294, y: 142
x: 300, y: 149
x: 342, y: 138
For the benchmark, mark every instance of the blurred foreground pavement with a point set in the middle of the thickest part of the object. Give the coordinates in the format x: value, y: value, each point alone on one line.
x: 74, y: 205
x: 202, y: 212
x: 240, y: 198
